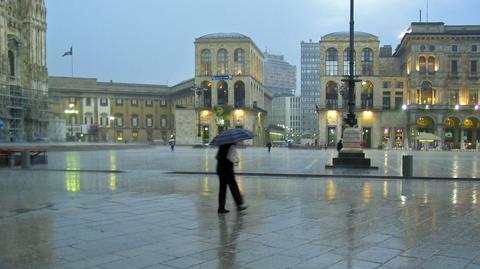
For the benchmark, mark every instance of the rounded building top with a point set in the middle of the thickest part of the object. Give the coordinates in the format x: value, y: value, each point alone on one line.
x: 347, y: 34
x: 223, y: 36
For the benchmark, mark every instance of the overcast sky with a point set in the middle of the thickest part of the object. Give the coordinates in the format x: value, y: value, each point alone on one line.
x: 151, y: 41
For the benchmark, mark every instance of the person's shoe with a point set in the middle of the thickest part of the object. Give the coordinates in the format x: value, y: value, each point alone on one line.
x: 222, y: 211
x: 241, y: 207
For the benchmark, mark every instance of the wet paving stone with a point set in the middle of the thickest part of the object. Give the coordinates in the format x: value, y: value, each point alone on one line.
x: 146, y: 218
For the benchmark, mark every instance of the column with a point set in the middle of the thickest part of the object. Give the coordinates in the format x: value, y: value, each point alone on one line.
x: 440, y: 133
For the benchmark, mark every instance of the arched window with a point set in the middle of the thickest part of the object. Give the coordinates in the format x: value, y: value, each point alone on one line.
x: 239, y: 92
x: 222, y: 62
x: 332, y: 95
x: 134, y: 120
x: 367, y: 94
x: 205, y: 62
x: 346, y: 62
x: 239, y: 60
x: 331, y: 65
x: 149, y: 120
x: 11, y: 61
x: 367, y: 62
x: 207, y: 94
x: 222, y: 93
x: 426, y: 94
x: 422, y: 65
x: 431, y: 65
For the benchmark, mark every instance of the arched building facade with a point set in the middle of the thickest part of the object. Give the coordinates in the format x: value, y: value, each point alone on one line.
x: 229, y: 87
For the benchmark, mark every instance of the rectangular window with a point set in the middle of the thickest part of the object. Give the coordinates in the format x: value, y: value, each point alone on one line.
x: 386, y: 100
x: 119, y: 102
x: 163, y: 103
x: 453, y: 97
x: 399, y: 84
x: 454, y: 48
x: 149, y: 122
x: 474, y: 48
x: 134, y: 102
x: 103, y: 101
x: 473, y: 68
x: 88, y: 101
x: 73, y: 100
x: 472, y: 97
x: 454, y: 67
x: 387, y: 84
x: 148, y: 102
x: 398, y: 100
x: 134, y: 121
x: 119, y: 121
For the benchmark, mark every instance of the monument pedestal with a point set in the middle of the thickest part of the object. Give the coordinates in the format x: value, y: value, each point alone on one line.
x: 351, y: 155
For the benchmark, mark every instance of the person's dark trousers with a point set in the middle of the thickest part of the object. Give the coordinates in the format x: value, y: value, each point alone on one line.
x: 228, y: 178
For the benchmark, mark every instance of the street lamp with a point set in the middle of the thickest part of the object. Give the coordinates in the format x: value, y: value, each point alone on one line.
x: 70, y: 111
x: 199, y: 91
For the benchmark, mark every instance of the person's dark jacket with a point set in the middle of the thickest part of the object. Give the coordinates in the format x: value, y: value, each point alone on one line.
x: 339, y: 145
x: 223, y: 163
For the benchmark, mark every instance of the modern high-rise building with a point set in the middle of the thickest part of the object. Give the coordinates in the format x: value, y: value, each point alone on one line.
x: 287, y: 114
x: 310, y: 87
x: 23, y: 71
x: 280, y: 76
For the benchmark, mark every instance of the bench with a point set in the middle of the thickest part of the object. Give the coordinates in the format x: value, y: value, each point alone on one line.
x: 24, y: 156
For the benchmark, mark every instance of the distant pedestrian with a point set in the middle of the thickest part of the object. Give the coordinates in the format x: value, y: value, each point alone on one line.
x: 226, y: 159
x: 339, y: 145
x: 325, y: 146
x: 171, y: 142
x: 269, y: 146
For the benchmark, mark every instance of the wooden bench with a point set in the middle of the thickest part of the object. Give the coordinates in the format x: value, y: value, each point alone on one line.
x: 24, y: 156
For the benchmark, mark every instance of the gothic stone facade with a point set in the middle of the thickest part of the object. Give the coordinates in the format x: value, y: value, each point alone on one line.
x: 23, y: 70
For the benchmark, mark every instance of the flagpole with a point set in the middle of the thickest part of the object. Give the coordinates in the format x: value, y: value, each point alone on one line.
x: 72, y: 65
x: 72, y: 61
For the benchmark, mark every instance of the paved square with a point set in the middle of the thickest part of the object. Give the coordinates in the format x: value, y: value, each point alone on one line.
x: 72, y: 214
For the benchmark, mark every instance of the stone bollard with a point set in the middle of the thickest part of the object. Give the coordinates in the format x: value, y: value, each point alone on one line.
x: 25, y: 158
x: 407, y: 165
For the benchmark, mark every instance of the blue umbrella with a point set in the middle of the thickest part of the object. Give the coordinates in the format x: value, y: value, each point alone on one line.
x: 232, y: 136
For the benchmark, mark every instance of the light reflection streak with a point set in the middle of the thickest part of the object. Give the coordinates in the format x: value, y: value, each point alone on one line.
x: 474, y: 196
x: 72, y: 180
x: 205, y: 186
x: 455, y: 167
x: 206, y: 160
x: 385, y: 189
x: 425, y: 193
x: 454, y: 193
x: 385, y: 163
x: 331, y: 190
x: 113, y: 167
x: 367, y: 192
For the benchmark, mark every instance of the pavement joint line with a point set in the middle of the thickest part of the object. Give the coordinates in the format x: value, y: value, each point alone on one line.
x: 297, y: 175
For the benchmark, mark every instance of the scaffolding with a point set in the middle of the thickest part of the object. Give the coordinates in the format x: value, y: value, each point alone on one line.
x: 25, y: 114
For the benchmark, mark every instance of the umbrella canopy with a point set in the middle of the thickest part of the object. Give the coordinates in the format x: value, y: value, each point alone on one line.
x: 428, y: 137
x: 232, y: 136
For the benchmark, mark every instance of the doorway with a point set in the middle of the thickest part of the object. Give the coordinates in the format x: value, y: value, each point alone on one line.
x: 367, y: 137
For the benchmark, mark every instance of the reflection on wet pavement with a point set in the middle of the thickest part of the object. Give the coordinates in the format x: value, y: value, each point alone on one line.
x: 258, y: 160
x: 148, y: 219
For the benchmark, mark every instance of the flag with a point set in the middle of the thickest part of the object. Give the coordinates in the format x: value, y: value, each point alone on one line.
x: 68, y: 52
